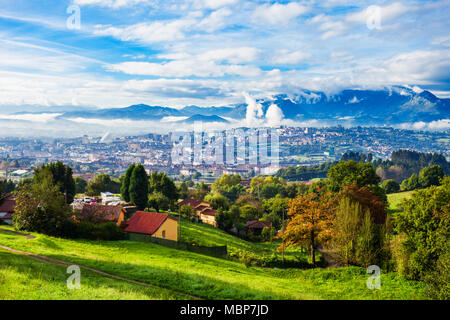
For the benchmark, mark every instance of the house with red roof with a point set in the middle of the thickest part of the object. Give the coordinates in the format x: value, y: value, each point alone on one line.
x: 203, y: 210
x: 151, y: 224
x: 7, y: 210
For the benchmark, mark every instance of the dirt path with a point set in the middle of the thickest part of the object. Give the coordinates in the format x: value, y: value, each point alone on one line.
x: 29, y: 236
x: 63, y: 263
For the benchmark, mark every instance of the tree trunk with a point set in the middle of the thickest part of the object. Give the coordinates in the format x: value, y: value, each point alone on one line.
x: 313, y: 250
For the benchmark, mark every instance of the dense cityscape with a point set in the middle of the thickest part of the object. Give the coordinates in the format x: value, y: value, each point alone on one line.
x: 298, y: 146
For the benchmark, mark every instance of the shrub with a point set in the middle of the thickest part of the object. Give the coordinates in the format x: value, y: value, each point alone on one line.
x: 425, y: 226
x: 438, y: 282
x: 106, y: 231
x: 390, y: 186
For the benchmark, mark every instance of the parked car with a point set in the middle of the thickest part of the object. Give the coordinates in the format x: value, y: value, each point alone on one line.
x: 87, y: 199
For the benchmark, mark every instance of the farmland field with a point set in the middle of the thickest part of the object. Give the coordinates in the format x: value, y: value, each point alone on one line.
x: 177, y: 273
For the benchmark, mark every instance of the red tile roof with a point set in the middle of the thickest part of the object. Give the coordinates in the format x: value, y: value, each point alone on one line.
x: 146, y: 222
x: 258, y: 224
x: 8, y: 206
x: 209, y: 212
x: 191, y: 202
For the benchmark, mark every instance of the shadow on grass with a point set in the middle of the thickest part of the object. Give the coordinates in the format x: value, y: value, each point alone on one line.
x: 186, y: 281
x: 24, y: 278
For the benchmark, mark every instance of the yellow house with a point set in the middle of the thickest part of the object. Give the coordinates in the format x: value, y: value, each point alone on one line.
x: 203, y: 210
x: 151, y: 224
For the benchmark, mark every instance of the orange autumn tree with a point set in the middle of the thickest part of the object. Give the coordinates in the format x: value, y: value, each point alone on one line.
x: 311, y: 221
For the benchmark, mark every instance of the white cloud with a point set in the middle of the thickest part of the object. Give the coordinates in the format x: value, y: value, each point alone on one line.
x: 232, y: 55
x: 160, y: 31
x: 277, y: 14
x: 274, y: 115
x: 184, y: 68
x: 328, y: 26
x: 294, y: 57
x: 438, y: 125
x: 115, y: 4
x: 387, y: 13
x: 214, y: 4
x: 254, y: 114
x: 215, y: 21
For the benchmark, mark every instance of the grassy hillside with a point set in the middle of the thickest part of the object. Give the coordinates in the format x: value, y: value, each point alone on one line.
x: 176, y: 270
x: 24, y: 278
x: 206, y: 235
x: 395, y: 199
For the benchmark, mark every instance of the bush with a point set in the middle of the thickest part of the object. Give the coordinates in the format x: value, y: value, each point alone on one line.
x: 438, y: 282
x: 424, y: 226
x: 106, y: 231
x: 390, y: 186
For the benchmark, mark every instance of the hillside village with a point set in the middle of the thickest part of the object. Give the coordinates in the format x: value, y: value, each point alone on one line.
x: 263, y: 222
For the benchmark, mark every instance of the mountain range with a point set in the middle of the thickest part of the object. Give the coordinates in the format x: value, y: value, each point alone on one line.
x: 389, y: 106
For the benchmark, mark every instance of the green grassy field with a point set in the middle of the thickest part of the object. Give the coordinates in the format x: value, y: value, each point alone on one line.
x: 24, y: 278
x: 176, y: 270
x: 395, y: 199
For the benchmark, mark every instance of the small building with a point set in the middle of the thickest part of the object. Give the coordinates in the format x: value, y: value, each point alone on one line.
x: 203, y: 210
x: 110, y: 198
x: 7, y: 210
x: 144, y: 225
x: 256, y: 227
x: 98, y: 213
x: 208, y: 216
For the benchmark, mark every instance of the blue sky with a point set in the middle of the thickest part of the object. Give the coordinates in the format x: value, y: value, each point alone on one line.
x: 211, y: 52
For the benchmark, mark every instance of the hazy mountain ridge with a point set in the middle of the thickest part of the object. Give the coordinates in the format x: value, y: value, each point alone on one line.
x: 393, y: 105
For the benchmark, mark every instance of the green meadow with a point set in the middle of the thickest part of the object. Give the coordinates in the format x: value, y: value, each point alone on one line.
x: 175, y: 274
x: 395, y: 199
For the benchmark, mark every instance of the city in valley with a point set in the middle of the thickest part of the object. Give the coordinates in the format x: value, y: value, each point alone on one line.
x: 297, y: 146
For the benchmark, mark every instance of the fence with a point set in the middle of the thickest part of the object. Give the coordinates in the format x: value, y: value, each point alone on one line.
x: 217, y: 251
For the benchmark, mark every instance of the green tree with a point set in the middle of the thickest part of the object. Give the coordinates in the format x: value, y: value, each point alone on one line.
x: 6, y: 187
x: 274, y: 209
x: 249, y: 212
x: 350, y: 172
x: 425, y: 226
x: 412, y: 183
x: 218, y: 201
x: 62, y: 176
x: 183, y: 190
x: 390, y: 186
x: 187, y: 211
x: 80, y: 185
x: 431, y: 176
x: 41, y: 207
x: 201, y: 190
x: 160, y: 182
x: 266, y: 187
x: 139, y: 187
x: 124, y: 189
x: 158, y: 201
x: 358, y: 240
x: 229, y: 186
x: 102, y: 183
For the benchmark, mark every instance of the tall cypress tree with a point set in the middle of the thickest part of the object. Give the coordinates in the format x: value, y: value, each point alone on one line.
x: 124, y: 189
x: 138, y: 189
